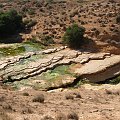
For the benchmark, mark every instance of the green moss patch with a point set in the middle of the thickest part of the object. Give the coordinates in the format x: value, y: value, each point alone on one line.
x: 17, y: 49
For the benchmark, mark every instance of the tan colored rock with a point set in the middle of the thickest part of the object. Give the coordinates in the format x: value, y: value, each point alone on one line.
x: 85, y: 60
x: 99, y: 56
x: 100, y: 70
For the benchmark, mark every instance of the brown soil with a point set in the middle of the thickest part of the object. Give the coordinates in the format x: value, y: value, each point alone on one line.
x: 88, y: 104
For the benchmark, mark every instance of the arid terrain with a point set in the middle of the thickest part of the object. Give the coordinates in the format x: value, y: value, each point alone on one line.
x: 47, y: 80
x: 87, y: 104
x: 53, y: 17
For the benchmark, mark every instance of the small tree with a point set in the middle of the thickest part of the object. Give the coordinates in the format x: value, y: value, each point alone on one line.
x: 10, y: 23
x: 74, y: 36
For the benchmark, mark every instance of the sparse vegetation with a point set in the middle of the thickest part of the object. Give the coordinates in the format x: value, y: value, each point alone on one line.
x: 72, y: 96
x: 47, y: 40
x: 4, y: 116
x: 47, y: 117
x: 74, y: 36
x: 77, y: 95
x: 2, y: 98
x: 72, y: 116
x: 60, y: 116
x: 29, y: 23
x: 27, y: 111
x: 39, y: 98
x: 49, y: 1
x: 25, y: 94
x: 31, y: 12
x: 41, y: 79
x: 69, y: 97
x: 112, y: 92
x: 1, y: 5
x: 118, y: 19
x: 7, y: 106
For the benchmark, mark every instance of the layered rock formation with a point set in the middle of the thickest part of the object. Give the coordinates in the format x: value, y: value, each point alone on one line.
x: 100, y: 70
x: 94, y: 66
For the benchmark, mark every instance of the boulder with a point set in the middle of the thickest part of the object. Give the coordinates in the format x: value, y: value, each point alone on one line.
x: 100, y: 70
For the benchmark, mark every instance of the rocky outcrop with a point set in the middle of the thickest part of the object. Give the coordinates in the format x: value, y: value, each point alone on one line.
x: 23, y: 67
x: 100, y: 70
x: 94, y: 66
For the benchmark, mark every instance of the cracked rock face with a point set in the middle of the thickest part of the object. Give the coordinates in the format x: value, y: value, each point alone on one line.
x: 33, y: 64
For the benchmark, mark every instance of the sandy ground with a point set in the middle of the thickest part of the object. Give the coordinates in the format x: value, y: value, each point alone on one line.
x: 84, y: 103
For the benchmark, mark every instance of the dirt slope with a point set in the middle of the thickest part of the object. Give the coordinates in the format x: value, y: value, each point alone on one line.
x: 53, y: 17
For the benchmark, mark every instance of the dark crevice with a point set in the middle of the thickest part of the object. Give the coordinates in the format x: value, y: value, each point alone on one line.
x: 73, y: 84
x: 108, y: 81
x: 78, y: 79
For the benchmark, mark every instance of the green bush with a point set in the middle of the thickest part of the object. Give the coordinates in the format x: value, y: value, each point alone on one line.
x: 74, y: 36
x: 10, y: 23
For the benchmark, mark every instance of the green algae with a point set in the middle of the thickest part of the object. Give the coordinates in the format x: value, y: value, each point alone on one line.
x: 19, y: 48
x: 46, y: 79
x: 11, y: 51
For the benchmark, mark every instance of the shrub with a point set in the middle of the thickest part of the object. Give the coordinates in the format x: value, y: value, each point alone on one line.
x: 60, y: 116
x: 2, y: 98
x: 27, y: 111
x: 10, y: 23
x: 47, y: 118
x: 72, y: 116
x: 4, y: 116
x: 31, y: 12
x: 1, y: 5
x: 69, y: 97
x: 74, y: 36
x: 112, y: 92
x: 47, y: 40
x: 118, y: 19
x: 39, y: 98
x: 7, y: 106
x: 25, y: 94
x: 29, y: 23
x: 49, y: 1
x: 77, y: 95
